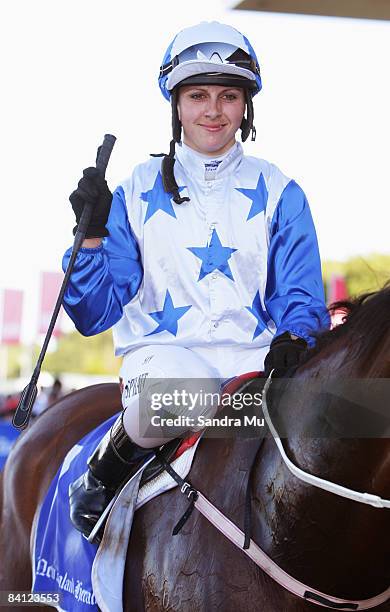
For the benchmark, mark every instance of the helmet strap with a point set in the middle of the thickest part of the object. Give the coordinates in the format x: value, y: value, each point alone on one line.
x: 247, y: 122
x: 176, y: 124
x: 168, y: 162
x: 168, y: 176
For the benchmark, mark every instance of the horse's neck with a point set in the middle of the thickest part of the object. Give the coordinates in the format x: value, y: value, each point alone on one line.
x: 330, y: 543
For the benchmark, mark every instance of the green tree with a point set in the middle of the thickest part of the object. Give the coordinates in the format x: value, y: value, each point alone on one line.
x: 87, y: 355
x: 13, y: 360
x: 362, y: 274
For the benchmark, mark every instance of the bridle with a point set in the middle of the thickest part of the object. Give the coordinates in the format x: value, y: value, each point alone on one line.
x: 254, y: 552
x: 315, y: 481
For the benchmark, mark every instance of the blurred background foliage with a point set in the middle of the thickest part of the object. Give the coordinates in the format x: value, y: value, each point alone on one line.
x: 72, y: 352
x: 362, y: 274
x: 88, y: 355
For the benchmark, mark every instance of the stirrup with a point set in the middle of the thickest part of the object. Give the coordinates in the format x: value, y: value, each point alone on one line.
x: 151, y: 468
x: 95, y: 537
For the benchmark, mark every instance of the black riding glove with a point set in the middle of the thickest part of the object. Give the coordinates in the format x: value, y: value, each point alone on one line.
x: 92, y: 188
x: 285, y: 352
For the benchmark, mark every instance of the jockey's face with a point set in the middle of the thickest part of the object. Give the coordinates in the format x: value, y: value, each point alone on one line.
x: 210, y: 116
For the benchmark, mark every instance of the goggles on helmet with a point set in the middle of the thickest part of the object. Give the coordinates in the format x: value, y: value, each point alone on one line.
x: 210, y: 59
x: 209, y: 49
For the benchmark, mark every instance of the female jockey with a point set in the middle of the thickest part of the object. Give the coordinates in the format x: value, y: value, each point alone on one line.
x: 205, y: 261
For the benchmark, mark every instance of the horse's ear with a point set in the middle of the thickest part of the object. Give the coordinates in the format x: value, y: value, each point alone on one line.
x: 345, y: 306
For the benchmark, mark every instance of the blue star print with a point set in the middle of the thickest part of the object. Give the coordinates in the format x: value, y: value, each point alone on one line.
x: 258, y: 196
x: 214, y: 257
x: 260, y: 313
x: 158, y: 199
x: 168, y: 317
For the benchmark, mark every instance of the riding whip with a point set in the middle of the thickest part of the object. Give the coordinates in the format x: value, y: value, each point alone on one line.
x: 29, y: 393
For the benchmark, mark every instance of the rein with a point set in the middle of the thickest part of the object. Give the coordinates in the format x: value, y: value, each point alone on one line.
x: 253, y: 551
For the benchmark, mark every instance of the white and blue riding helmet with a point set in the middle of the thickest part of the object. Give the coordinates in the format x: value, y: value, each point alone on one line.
x: 210, y: 53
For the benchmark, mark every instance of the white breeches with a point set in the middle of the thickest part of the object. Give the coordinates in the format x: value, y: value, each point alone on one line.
x: 161, y: 383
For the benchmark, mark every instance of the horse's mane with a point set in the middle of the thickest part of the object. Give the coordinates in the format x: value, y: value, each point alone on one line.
x: 366, y: 323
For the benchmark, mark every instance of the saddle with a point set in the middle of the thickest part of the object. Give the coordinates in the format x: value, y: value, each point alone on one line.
x: 176, y: 447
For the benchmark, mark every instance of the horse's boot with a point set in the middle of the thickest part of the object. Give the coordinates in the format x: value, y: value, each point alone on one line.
x: 115, y: 460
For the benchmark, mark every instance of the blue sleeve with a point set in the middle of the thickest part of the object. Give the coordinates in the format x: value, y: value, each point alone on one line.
x: 106, y: 278
x: 294, y: 295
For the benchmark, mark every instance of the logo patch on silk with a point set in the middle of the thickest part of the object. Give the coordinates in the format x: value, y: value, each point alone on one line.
x: 158, y: 199
x: 168, y: 317
x: 214, y: 256
x: 210, y: 168
x: 258, y: 196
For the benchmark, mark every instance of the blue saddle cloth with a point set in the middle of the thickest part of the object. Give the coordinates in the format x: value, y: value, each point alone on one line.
x: 63, y: 558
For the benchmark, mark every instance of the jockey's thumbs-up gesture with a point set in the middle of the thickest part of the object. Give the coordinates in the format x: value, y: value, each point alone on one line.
x: 92, y: 188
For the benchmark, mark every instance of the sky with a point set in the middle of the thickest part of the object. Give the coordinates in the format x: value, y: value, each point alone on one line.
x: 74, y: 70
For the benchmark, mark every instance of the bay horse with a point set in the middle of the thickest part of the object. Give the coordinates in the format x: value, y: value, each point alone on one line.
x: 333, y: 544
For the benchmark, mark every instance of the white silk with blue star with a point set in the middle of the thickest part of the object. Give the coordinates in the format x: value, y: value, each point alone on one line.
x: 224, y: 272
